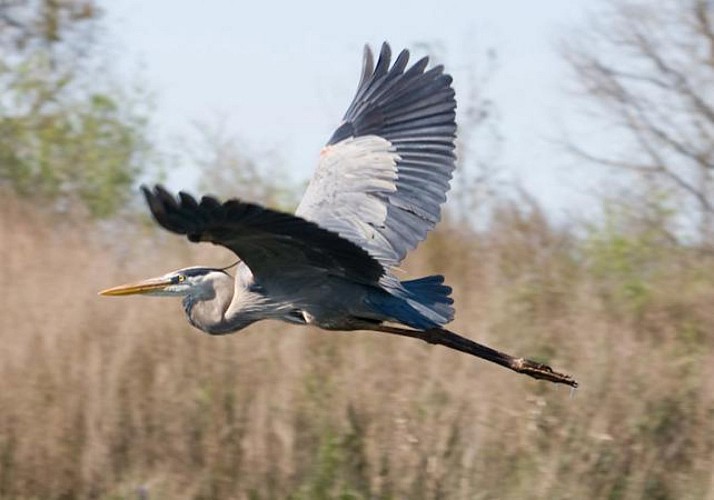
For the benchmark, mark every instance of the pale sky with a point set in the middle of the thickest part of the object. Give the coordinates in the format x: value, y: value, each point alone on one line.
x: 283, y: 73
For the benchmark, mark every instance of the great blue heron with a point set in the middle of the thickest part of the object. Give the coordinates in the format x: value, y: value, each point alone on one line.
x: 377, y: 192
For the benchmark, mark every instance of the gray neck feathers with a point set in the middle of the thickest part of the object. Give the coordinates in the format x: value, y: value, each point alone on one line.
x: 220, y: 306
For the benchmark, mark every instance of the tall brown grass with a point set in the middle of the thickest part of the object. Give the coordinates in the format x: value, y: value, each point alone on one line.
x: 108, y: 398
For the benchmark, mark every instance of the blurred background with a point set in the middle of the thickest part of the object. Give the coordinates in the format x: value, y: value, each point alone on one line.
x: 579, y: 232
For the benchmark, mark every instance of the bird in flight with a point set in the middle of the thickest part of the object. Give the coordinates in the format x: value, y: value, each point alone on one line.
x: 377, y: 191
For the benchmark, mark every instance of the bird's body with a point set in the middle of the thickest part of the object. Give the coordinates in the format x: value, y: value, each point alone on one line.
x: 378, y: 190
x: 221, y: 305
x: 227, y: 306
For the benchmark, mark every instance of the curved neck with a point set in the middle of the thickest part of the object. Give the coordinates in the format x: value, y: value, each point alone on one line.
x: 221, y: 306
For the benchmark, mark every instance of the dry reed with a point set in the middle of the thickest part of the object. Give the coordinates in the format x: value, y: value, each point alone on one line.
x: 108, y: 398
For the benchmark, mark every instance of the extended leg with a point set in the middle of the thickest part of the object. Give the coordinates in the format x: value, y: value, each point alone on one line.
x: 450, y: 339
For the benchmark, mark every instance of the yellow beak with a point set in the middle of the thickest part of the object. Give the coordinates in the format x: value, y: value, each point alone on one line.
x: 145, y: 286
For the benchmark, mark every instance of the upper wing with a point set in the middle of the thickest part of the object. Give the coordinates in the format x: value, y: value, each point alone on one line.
x: 268, y: 241
x: 385, y: 172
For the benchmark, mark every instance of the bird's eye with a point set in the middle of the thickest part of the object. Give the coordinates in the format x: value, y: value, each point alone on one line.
x: 181, y: 278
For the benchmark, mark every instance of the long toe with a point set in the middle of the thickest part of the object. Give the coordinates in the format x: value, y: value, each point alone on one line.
x: 542, y: 372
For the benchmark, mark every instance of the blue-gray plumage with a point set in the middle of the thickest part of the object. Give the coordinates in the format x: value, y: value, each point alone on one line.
x: 377, y: 191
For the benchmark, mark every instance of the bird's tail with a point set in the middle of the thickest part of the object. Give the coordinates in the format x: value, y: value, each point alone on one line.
x: 422, y: 303
x: 431, y: 297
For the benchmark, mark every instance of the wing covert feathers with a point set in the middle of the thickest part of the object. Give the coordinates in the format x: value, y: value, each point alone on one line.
x: 405, y: 119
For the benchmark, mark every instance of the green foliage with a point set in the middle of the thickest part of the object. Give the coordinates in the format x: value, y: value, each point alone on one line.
x: 339, y: 467
x: 627, y: 256
x: 228, y: 171
x: 91, y: 150
x: 67, y: 133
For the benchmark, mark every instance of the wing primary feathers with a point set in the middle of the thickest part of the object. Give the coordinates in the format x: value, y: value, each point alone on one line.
x: 367, y: 66
x: 267, y: 240
x: 388, y: 166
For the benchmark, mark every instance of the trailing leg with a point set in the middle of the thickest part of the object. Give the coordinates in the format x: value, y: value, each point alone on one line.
x: 452, y: 340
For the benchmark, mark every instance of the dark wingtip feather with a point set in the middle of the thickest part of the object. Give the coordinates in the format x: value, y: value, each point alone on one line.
x: 166, y: 198
x: 367, y: 65
x: 209, y: 202
x: 153, y: 201
x: 187, y: 200
x: 401, y: 62
x: 385, y: 58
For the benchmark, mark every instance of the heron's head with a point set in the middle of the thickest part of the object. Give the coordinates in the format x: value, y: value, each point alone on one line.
x: 194, y: 281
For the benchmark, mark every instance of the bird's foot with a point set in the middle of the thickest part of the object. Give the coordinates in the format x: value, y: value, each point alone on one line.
x: 542, y: 372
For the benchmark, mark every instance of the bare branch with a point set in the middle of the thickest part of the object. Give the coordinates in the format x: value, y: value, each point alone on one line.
x: 702, y: 14
x: 680, y: 80
x: 642, y: 67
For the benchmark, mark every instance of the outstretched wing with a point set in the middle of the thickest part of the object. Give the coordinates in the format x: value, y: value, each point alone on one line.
x: 385, y: 172
x: 268, y: 241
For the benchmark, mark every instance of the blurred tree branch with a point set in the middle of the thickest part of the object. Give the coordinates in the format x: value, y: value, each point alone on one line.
x: 228, y: 170
x: 648, y: 70
x: 69, y: 132
x: 25, y: 24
